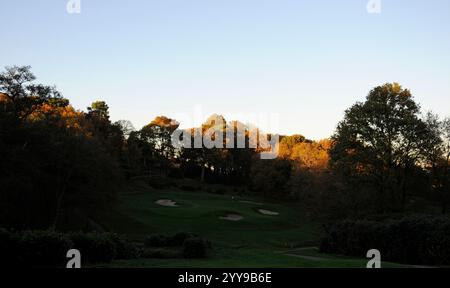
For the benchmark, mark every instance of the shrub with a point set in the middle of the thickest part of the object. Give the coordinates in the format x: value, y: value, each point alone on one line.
x: 42, y: 248
x: 438, y: 248
x: 124, y: 248
x: 157, y: 240
x: 8, y: 248
x: 179, y: 238
x: 163, y: 240
x: 49, y: 248
x: 161, y: 253
x: 95, y: 247
x: 194, y: 248
x: 413, y: 240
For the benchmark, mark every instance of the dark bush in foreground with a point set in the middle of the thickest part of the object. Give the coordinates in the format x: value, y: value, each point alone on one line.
x: 412, y: 240
x: 41, y: 248
x: 161, y: 253
x: 194, y: 248
x: 49, y: 248
x: 164, y: 240
x: 182, y: 244
x: 94, y: 247
x: 124, y: 248
x: 179, y: 238
x: 157, y: 240
x: 103, y: 247
x: 8, y: 248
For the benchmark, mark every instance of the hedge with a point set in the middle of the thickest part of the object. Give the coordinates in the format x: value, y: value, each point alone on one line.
x: 411, y: 240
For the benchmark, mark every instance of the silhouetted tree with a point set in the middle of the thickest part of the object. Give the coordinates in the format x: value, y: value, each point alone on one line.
x: 271, y: 177
x: 55, y: 167
x: 380, y: 141
x: 156, y: 136
x: 438, y: 158
x: 16, y: 85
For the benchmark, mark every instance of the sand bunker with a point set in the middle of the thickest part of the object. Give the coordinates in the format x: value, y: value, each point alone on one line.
x: 167, y: 203
x: 232, y: 217
x: 268, y: 212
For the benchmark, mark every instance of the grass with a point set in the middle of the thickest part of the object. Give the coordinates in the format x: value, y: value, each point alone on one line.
x: 256, y: 241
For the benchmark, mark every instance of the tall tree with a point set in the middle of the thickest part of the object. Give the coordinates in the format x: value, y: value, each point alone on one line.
x: 157, y: 141
x: 54, y: 168
x: 380, y: 140
x: 100, y: 109
x: 16, y: 85
x: 438, y: 158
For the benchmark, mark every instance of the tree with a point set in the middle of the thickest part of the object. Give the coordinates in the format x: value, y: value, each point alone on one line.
x: 126, y: 126
x: 16, y: 85
x: 305, y: 154
x: 226, y: 158
x: 445, y: 185
x: 55, y: 168
x: 99, y: 109
x: 438, y: 158
x: 157, y: 140
x: 271, y: 177
x: 110, y: 135
x: 380, y: 141
x: 287, y: 144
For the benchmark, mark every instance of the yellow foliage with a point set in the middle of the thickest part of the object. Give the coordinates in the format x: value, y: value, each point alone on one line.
x: 308, y: 154
x: 66, y: 116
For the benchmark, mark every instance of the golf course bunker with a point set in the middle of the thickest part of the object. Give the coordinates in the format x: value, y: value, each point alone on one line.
x: 166, y: 202
x: 232, y: 217
x: 268, y: 212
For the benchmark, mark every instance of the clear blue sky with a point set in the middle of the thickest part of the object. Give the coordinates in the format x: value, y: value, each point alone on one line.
x: 306, y: 60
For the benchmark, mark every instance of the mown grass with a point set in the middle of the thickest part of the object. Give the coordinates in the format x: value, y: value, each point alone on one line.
x: 255, y: 241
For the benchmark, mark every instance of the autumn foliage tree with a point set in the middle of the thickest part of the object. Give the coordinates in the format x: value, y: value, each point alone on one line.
x: 55, y: 169
x: 379, y: 145
x: 223, y: 164
x: 305, y: 153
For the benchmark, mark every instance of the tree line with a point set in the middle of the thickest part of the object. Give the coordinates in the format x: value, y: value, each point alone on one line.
x: 59, y: 166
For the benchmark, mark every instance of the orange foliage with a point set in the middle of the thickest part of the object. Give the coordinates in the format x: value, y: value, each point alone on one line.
x: 165, y: 123
x: 65, y: 116
x: 3, y: 98
x: 307, y: 154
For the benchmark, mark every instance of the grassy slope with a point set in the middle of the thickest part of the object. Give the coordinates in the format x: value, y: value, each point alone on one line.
x: 256, y: 241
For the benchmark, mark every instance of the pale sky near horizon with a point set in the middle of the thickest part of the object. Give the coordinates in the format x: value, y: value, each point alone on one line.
x: 306, y: 61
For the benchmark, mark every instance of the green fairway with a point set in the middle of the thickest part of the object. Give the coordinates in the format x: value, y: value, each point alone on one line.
x: 257, y: 240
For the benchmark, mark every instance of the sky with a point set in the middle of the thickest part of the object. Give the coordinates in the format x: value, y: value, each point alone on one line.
x: 299, y: 64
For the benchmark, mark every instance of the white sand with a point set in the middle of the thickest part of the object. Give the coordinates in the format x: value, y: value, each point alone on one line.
x: 167, y: 203
x: 268, y: 212
x: 232, y: 217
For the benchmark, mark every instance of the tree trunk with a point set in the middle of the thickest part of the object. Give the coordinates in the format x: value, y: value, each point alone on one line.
x: 59, y: 201
x: 202, y: 176
x: 402, y: 188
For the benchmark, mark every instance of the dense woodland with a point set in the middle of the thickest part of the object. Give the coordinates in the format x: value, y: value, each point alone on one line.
x: 59, y: 165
